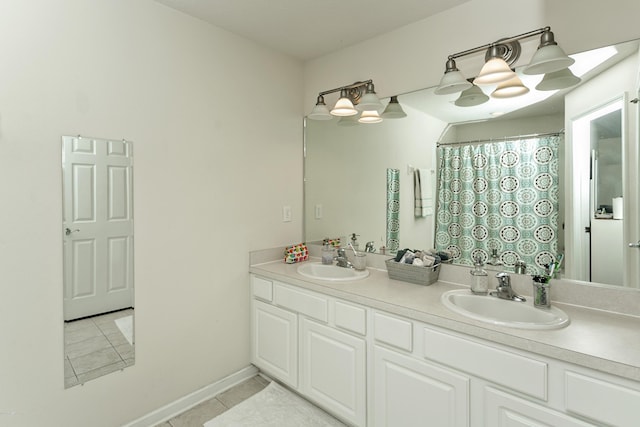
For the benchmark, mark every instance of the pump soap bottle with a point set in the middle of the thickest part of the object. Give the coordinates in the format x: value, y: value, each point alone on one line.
x: 354, y: 241
x: 479, y: 278
x: 327, y: 253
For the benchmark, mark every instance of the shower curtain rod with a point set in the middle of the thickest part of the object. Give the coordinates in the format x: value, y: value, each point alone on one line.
x: 503, y: 139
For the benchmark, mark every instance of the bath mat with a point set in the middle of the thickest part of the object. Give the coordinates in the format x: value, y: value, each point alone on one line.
x: 125, y: 324
x: 274, y: 406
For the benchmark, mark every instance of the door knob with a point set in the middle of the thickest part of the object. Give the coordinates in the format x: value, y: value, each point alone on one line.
x: 68, y: 231
x: 635, y: 245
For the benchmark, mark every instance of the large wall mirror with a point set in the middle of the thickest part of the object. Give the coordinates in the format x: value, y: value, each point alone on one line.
x: 594, y: 130
x: 97, y: 233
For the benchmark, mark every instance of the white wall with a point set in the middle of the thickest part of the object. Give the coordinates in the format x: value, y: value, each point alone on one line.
x: 210, y: 177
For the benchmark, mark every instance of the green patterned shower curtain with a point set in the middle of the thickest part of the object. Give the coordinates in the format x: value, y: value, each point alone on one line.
x: 500, y: 195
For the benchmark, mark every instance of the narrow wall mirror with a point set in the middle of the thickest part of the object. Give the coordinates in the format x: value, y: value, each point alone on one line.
x: 97, y: 233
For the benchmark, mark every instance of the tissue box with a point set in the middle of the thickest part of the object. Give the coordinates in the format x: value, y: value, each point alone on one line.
x: 296, y: 253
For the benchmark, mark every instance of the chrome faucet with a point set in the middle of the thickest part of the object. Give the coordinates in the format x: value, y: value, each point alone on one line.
x: 504, y: 289
x: 342, y: 259
x: 369, y: 247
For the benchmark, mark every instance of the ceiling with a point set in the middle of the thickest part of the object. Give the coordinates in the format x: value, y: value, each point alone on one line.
x: 307, y: 29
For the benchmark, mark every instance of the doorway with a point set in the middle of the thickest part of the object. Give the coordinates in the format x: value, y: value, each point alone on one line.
x: 599, y: 167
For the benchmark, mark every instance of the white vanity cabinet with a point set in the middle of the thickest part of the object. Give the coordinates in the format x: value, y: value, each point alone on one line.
x: 371, y: 367
x: 424, y: 375
x: 312, y: 343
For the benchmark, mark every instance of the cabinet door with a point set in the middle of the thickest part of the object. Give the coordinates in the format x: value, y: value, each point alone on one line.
x: 275, y: 342
x: 332, y: 365
x: 410, y: 392
x: 503, y: 410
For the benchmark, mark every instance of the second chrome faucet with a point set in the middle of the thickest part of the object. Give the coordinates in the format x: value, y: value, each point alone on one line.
x: 504, y: 289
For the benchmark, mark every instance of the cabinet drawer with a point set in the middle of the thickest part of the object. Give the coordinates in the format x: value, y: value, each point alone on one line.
x: 602, y: 401
x: 504, y: 410
x: 350, y: 317
x: 261, y: 288
x: 301, y: 302
x: 393, y: 331
x: 511, y: 370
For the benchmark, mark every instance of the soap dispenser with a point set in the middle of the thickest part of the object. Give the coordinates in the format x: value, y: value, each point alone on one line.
x: 479, y: 278
x: 354, y: 241
x: 327, y: 253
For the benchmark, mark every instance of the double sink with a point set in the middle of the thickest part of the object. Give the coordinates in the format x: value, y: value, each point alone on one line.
x: 490, y: 309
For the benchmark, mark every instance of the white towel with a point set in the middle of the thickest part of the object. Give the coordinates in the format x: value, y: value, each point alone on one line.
x: 423, y: 193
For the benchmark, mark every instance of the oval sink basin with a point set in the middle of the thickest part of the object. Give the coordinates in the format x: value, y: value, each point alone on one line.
x: 319, y: 271
x: 521, y: 315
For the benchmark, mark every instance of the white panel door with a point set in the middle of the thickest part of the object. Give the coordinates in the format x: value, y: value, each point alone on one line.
x: 413, y: 393
x: 275, y: 342
x: 333, y: 370
x: 98, y: 226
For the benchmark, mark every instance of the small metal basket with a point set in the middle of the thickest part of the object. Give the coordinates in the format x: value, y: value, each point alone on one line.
x: 412, y: 273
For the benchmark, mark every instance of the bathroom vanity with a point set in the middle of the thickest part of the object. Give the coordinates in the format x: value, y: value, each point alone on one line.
x: 380, y: 352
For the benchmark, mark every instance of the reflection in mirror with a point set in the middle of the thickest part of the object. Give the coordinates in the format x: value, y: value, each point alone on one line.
x: 602, y: 139
x: 346, y: 178
x: 498, y: 202
x: 98, y: 257
x: 345, y: 166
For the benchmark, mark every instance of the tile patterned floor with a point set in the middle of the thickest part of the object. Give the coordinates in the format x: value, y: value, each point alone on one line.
x: 94, y: 347
x: 209, y: 409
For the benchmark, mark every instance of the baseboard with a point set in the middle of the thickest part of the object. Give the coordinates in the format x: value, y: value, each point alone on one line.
x: 189, y: 401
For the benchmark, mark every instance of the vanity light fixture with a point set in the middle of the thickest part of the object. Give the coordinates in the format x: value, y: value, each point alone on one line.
x: 499, y: 58
x: 549, y: 57
x: 510, y: 88
x: 393, y: 110
x: 558, y: 80
x: 369, y: 100
x: 348, y: 121
x: 358, y: 103
x: 453, y: 81
x: 496, y: 69
x: 370, y: 116
x: 471, y: 97
x: 344, y: 106
x: 320, y: 111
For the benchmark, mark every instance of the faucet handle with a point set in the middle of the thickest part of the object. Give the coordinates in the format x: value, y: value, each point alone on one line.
x: 503, y: 279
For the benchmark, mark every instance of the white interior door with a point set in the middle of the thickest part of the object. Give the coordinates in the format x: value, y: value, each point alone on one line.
x: 98, y: 226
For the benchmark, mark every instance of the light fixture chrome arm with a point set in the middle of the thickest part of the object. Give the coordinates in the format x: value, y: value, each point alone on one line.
x: 501, y: 41
x: 355, y: 85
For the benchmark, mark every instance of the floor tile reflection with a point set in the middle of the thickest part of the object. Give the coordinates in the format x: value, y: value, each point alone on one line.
x: 94, y: 347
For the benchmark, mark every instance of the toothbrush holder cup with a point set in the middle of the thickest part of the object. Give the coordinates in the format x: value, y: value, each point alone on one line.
x: 359, y: 260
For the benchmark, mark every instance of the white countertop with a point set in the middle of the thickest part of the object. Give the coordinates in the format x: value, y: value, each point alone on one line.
x: 597, y: 339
